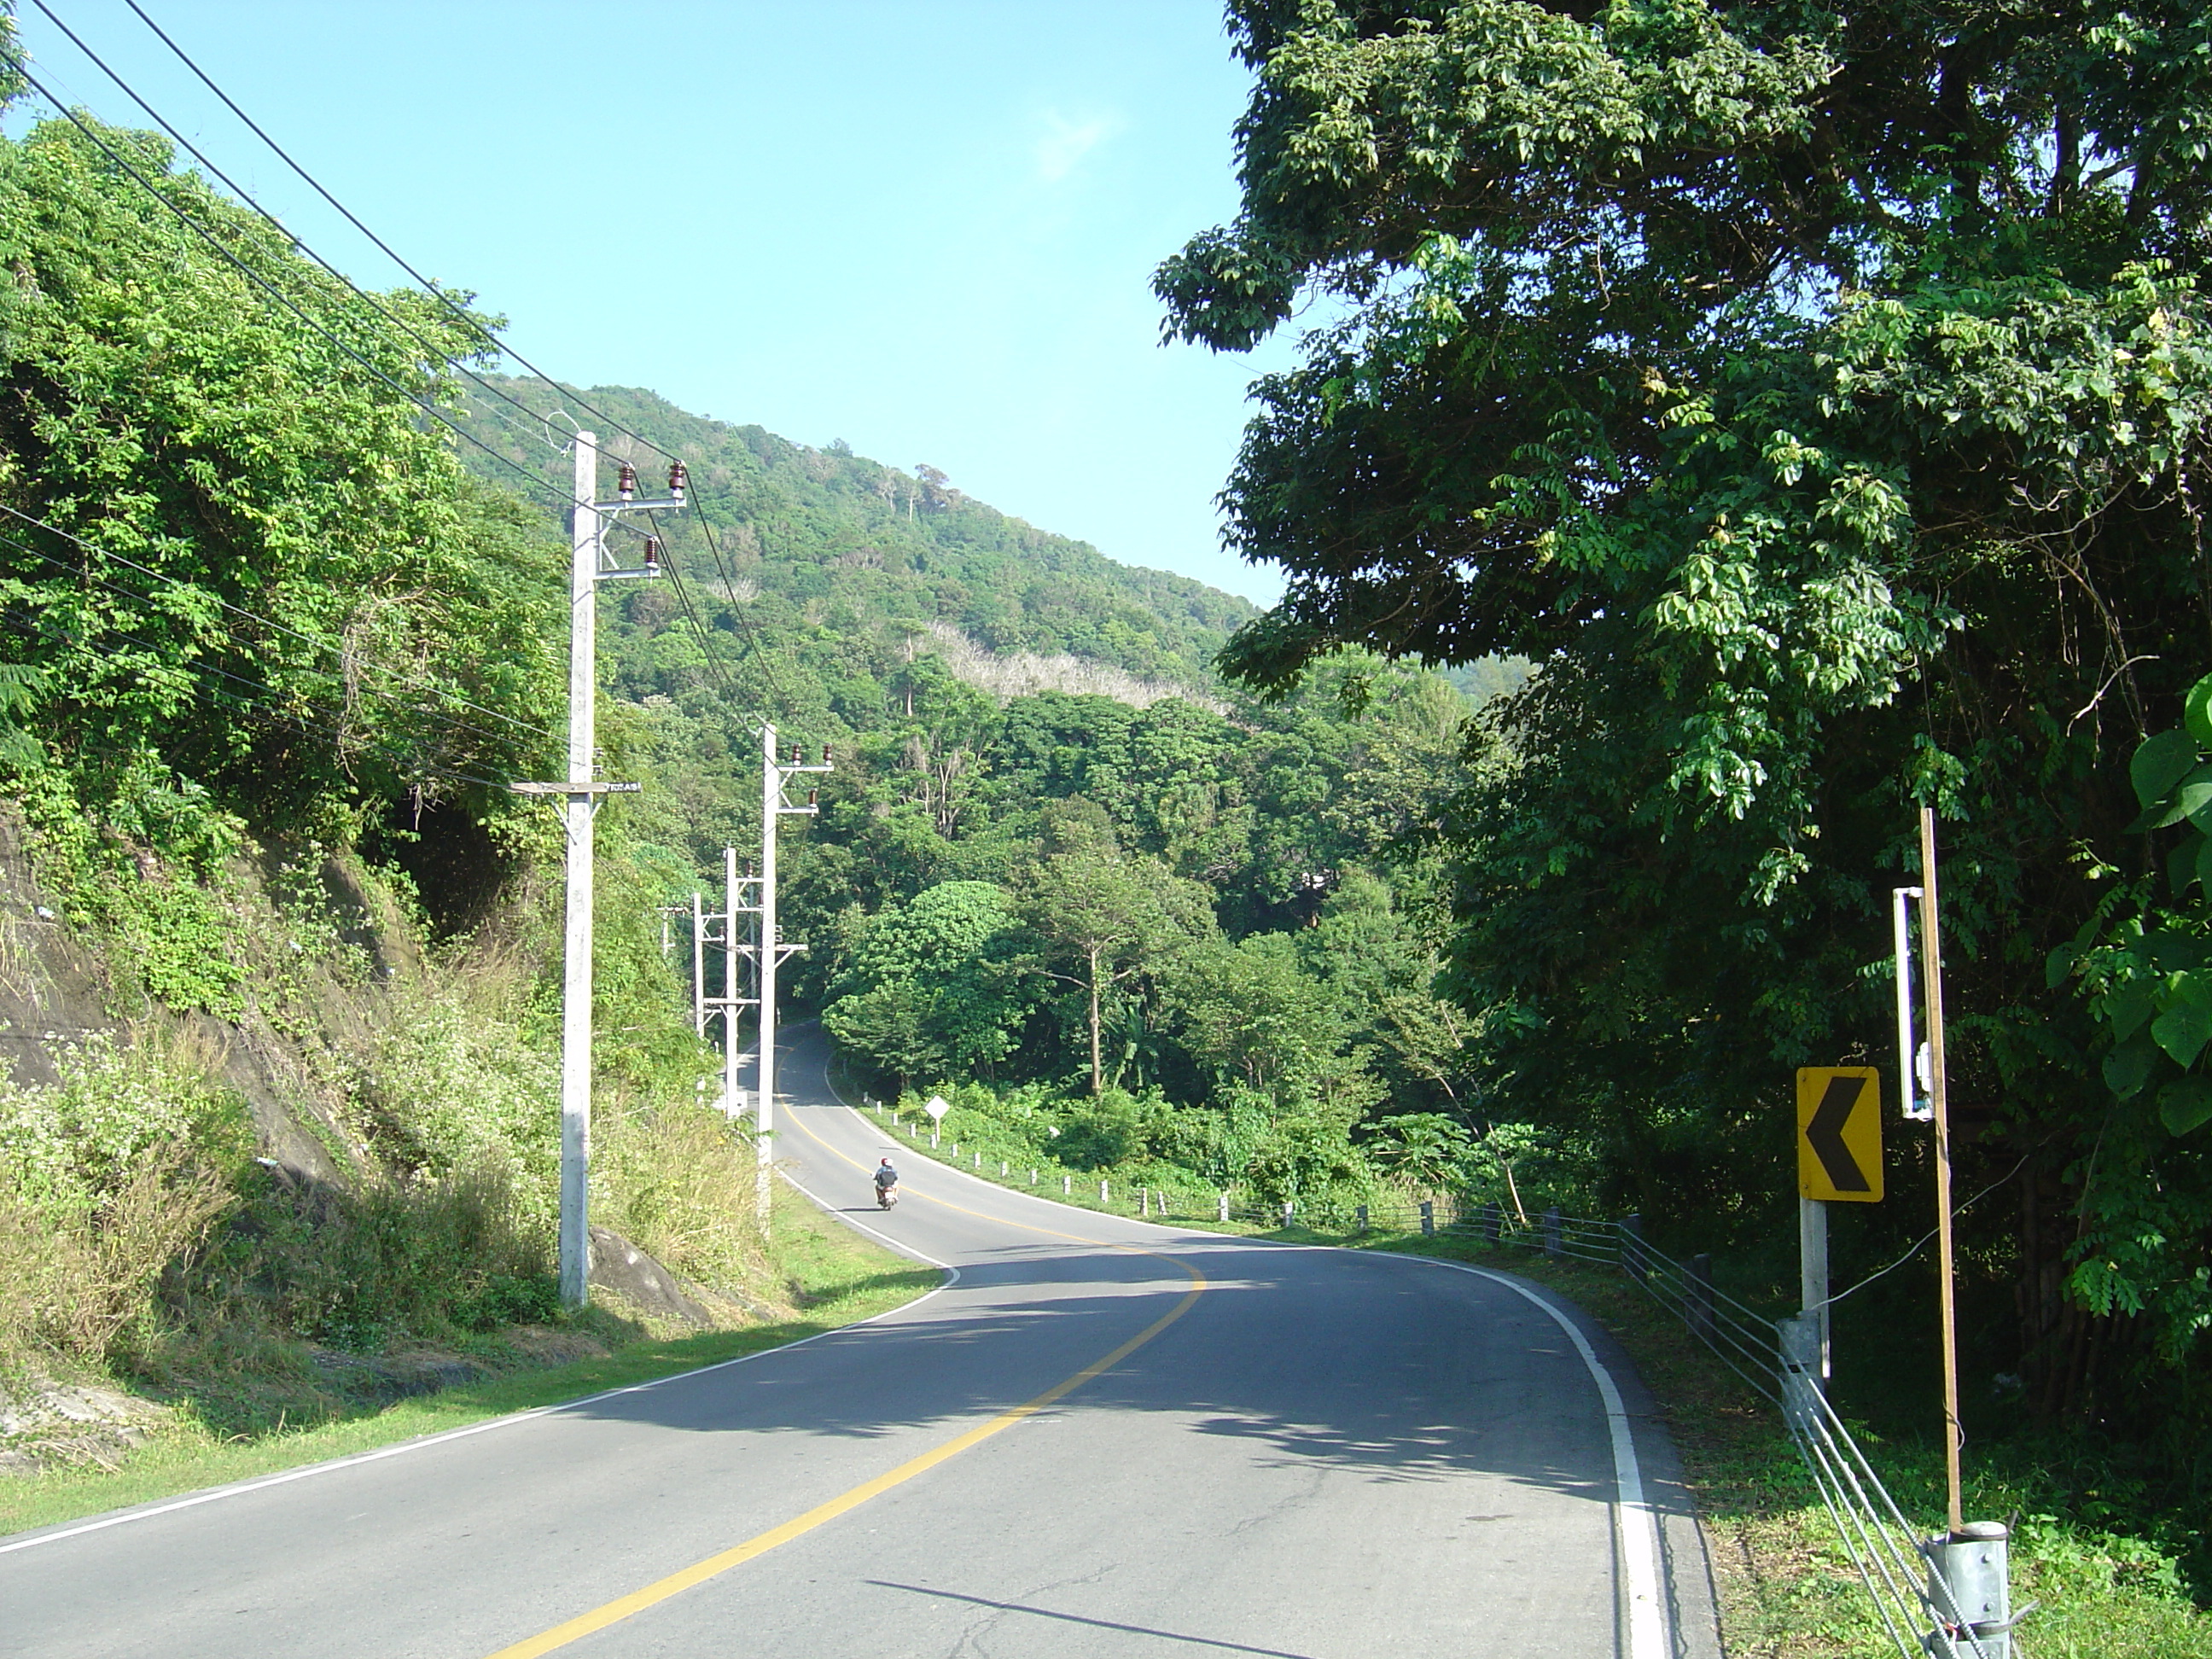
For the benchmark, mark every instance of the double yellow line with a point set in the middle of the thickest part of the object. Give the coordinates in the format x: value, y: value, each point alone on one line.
x: 699, y: 1572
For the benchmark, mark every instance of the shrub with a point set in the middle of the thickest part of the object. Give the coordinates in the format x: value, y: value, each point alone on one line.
x: 1306, y: 1159
x: 77, y: 1282
x: 67, y: 1148
x: 448, y: 1088
x: 395, y: 1257
x: 679, y: 1182
x: 107, y: 1178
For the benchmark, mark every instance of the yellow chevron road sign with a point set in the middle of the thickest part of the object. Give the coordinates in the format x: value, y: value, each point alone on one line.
x: 1839, y: 1134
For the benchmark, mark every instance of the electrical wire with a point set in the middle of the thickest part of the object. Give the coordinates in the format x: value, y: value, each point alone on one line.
x: 262, y: 283
x: 16, y: 624
x: 447, y: 357
x: 459, y: 312
x: 330, y: 645
x: 683, y: 598
x: 238, y: 191
x: 1956, y: 1210
x: 235, y: 637
x: 151, y: 645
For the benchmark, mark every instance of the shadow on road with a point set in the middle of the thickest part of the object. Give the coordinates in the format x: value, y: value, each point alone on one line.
x: 1077, y: 1619
x: 1352, y: 1364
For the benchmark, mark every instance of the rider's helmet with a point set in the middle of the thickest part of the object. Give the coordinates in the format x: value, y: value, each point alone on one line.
x: 887, y: 1164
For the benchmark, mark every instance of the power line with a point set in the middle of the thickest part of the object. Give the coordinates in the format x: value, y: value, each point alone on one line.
x: 197, y: 665
x: 683, y: 598
x: 429, y: 287
x: 15, y: 622
x: 330, y: 645
x: 235, y: 638
x: 267, y: 287
x: 706, y: 651
x: 202, y: 157
x: 461, y: 314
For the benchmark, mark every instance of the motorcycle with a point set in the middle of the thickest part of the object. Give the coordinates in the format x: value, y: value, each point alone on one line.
x: 886, y: 1196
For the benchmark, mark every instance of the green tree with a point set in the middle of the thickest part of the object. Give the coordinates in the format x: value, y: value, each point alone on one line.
x: 929, y: 986
x: 2144, y: 961
x: 1103, y: 919
x: 322, y: 613
x: 890, y: 1024
x: 1424, y: 1148
x: 1817, y: 397
x: 1251, y: 1014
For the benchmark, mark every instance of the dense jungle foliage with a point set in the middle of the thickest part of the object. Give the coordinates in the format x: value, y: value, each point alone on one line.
x: 1194, y: 930
x: 1817, y: 396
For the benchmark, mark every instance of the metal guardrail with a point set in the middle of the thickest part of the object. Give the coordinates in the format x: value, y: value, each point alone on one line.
x: 1927, y: 1594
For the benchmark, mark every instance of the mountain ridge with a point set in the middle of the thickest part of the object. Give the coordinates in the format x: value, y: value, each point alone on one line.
x: 805, y: 539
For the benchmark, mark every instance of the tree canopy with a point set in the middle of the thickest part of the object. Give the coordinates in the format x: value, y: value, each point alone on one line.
x: 1816, y: 396
x: 251, y: 571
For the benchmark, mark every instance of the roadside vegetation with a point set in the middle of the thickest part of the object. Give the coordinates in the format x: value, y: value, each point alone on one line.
x: 825, y: 1276
x: 2092, y: 1544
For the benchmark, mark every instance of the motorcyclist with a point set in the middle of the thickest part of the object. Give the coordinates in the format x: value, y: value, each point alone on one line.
x: 886, y: 1181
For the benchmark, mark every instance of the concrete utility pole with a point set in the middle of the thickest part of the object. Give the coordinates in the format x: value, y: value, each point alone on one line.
x: 576, y: 935
x: 698, y: 968
x: 776, y: 776
x: 732, y: 948
x: 581, y: 791
x: 730, y: 1003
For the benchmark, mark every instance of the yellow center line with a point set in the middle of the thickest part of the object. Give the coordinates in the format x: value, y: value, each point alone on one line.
x: 699, y: 1572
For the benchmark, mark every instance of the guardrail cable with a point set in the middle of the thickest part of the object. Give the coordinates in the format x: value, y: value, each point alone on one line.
x: 1881, y: 1544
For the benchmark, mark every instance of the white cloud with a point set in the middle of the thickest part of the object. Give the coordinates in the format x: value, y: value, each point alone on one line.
x: 1065, y: 143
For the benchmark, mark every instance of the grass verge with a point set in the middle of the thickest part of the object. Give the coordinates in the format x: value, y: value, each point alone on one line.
x: 838, y: 1276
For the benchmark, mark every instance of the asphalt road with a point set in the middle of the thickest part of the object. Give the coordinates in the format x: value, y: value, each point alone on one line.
x: 1101, y: 1437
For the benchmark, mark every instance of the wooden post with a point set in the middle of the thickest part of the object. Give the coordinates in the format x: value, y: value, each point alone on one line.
x: 1931, y: 978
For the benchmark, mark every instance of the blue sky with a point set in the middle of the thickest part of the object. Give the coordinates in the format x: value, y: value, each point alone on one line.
x: 928, y: 229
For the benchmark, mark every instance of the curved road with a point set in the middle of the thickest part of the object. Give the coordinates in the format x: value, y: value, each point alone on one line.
x: 1101, y: 1439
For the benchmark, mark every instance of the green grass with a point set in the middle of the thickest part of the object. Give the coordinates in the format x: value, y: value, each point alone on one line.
x: 839, y: 1276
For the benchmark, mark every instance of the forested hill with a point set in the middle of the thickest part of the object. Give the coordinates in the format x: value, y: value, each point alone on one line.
x: 831, y: 543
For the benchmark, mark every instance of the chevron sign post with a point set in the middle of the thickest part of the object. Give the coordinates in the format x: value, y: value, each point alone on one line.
x: 1839, y: 1134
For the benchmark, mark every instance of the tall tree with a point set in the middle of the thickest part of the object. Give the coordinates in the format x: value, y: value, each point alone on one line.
x: 1104, y: 918
x: 1818, y: 396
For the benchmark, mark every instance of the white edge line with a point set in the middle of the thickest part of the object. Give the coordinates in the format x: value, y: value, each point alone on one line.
x: 239, y: 1489
x: 1639, y: 1527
